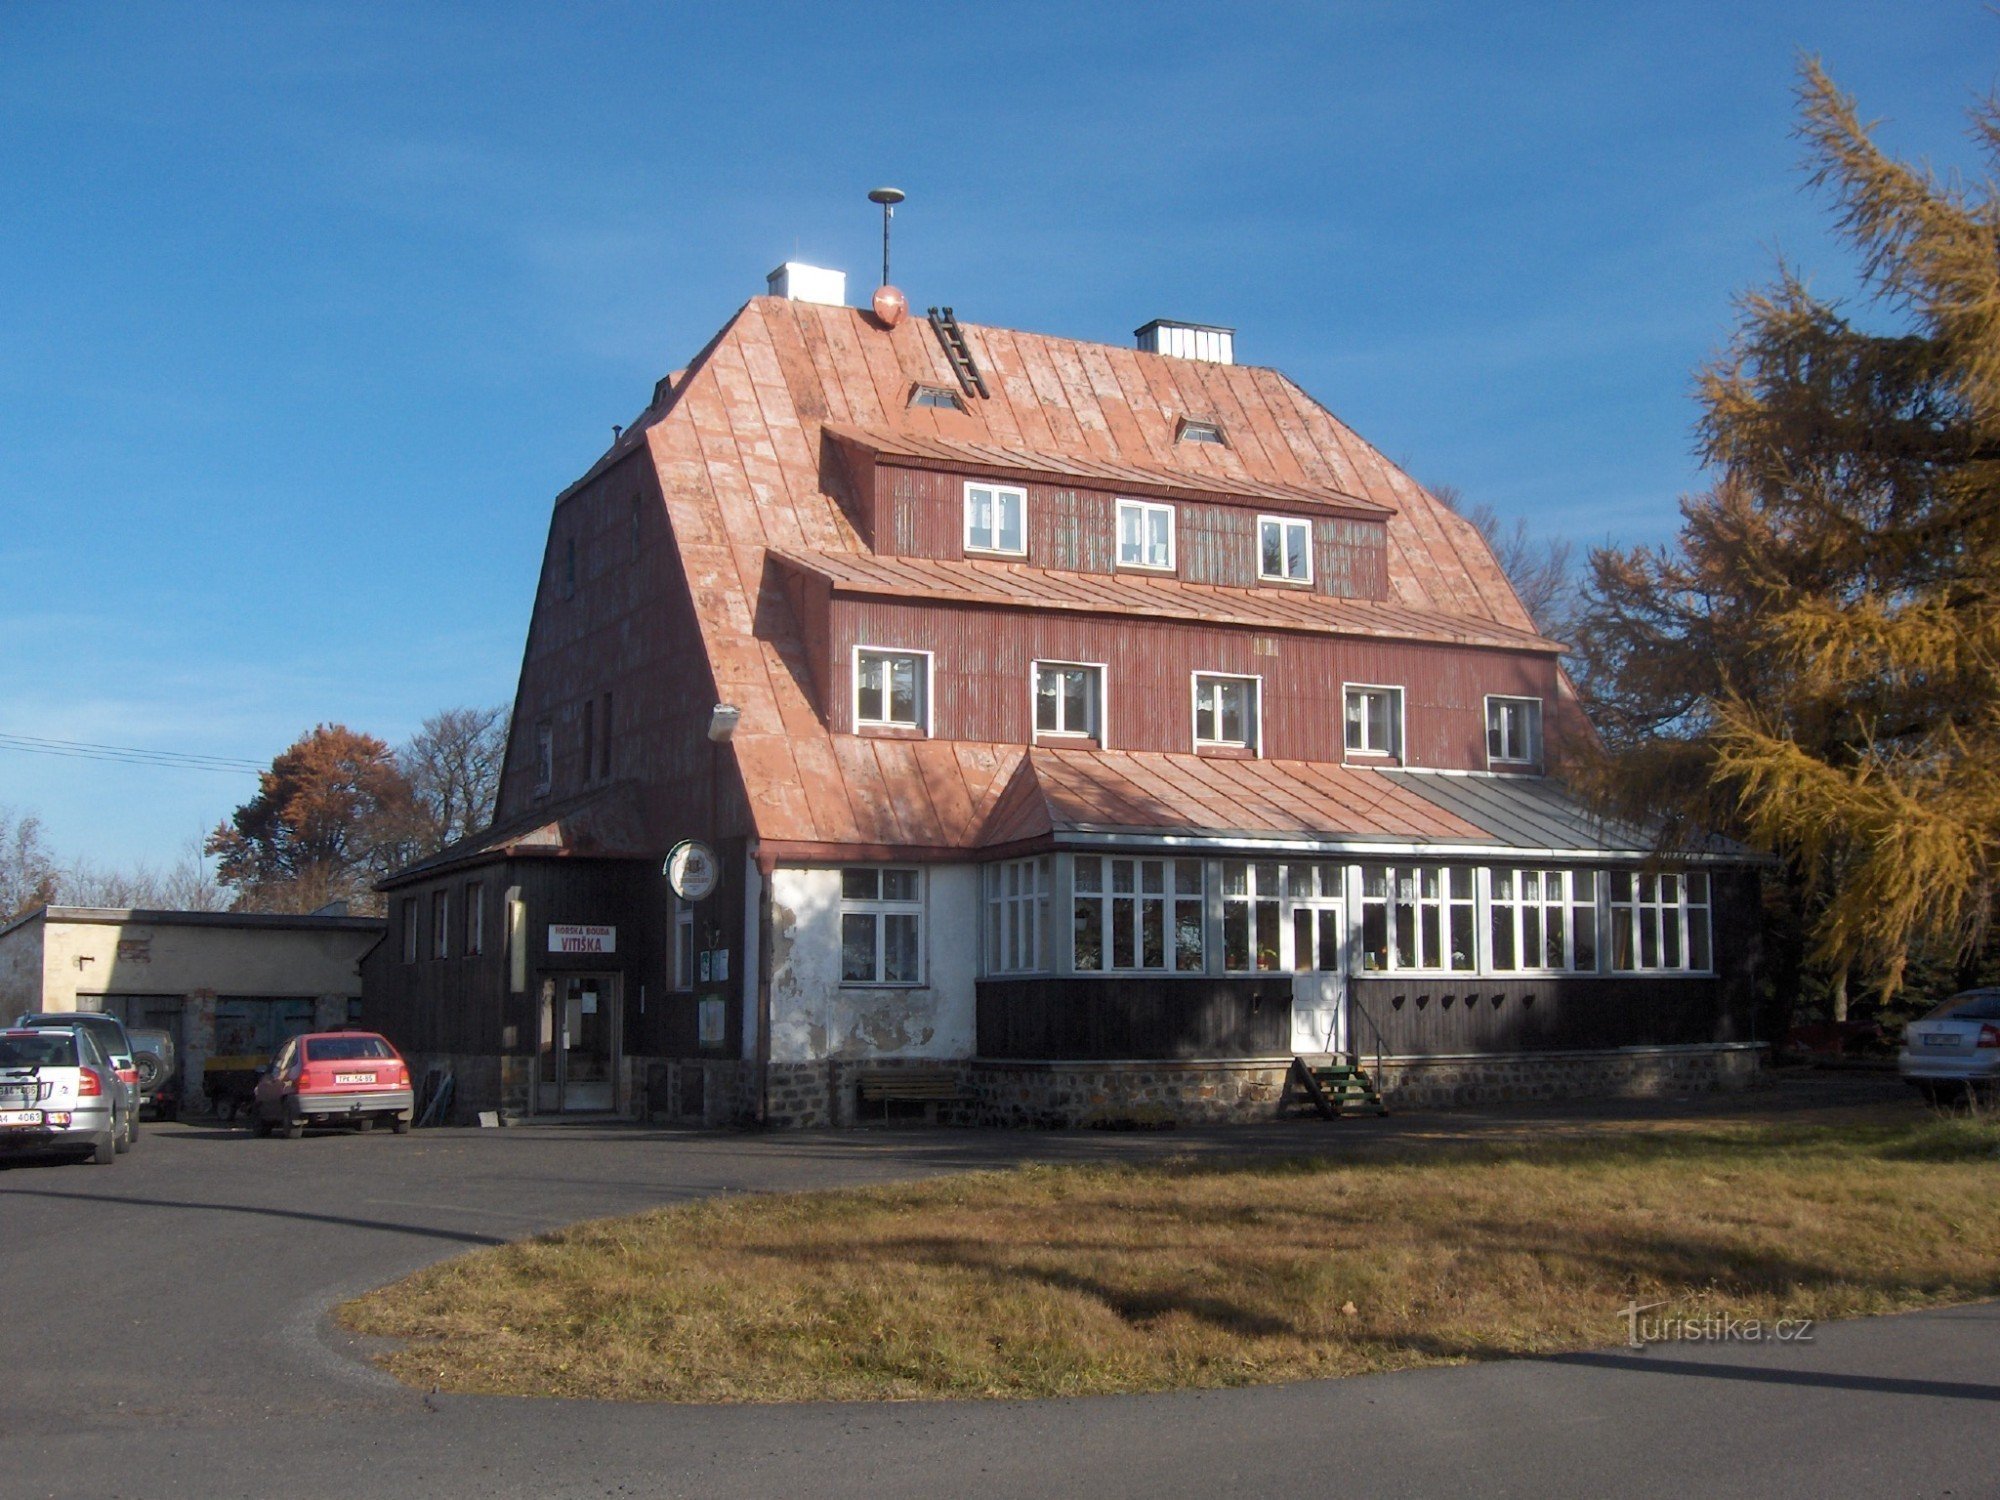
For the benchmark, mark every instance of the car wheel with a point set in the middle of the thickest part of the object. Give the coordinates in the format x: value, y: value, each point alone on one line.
x: 295, y: 1126
x: 131, y: 1129
x: 401, y: 1125
x: 121, y: 1136
x: 104, y: 1153
x: 364, y: 1124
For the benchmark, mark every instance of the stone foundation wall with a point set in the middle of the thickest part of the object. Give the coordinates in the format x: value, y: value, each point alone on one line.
x: 1137, y: 1095
x: 1129, y: 1095
x: 1618, y: 1073
x: 719, y: 1093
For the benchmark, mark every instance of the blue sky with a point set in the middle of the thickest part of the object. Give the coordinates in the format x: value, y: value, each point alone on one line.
x: 308, y: 311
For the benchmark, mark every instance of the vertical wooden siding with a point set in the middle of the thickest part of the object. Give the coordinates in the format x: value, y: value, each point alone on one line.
x: 630, y: 630
x: 1073, y: 529
x: 983, y: 657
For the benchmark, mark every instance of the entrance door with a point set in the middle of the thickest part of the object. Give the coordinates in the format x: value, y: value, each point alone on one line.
x: 577, y: 1045
x: 1319, y: 991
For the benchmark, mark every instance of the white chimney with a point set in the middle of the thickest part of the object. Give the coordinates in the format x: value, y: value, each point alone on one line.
x: 796, y: 281
x: 1188, y: 340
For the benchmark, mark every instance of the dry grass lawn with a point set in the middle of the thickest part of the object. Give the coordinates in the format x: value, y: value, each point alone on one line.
x: 1049, y: 1281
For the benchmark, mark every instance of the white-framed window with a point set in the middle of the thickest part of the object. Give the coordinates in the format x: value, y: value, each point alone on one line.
x: 1196, y: 430
x: 881, y: 925
x: 892, y: 689
x: 1145, y: 535
x: 1225, y: 711
x: 407, y: 912
x: 545, y: 757
x: 1418, y: 918
x: 1284, y: 549
x: 996, y: 518
x: 1513, y: 731
x: 1659, y: 922
x: 683, y: 944
x: 1136, y: 914
x: 1069, y: 698
x: 441, y: 924
x: 1541, y: 919
x: 1281, y: 917
x: 1374, y: 720
x: 475, y: 919
x: 1019, y: 934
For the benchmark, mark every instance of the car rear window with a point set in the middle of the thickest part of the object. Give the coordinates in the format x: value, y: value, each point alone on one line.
x: 109, y: 1031
x: 1980, y: 1005
x: 346, y: 1048
x: 52, y: 1051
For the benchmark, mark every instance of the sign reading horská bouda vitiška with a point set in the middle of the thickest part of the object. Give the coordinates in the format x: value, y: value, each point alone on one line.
x: 566, y: 937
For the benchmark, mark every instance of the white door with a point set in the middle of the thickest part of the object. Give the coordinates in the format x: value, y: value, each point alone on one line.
x: 1319, y: 1019
x: 1319, y: 991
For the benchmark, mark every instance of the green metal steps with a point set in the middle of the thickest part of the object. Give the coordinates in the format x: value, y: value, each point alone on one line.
x: 1331, y: 1089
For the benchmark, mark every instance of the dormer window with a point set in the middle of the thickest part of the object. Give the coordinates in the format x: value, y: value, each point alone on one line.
x: 1195, y: 430
x: 1513, y: 731
x: 996, y: 519
x: 1284, y: 549
x: 1145, y: 535
x: 936, y: 397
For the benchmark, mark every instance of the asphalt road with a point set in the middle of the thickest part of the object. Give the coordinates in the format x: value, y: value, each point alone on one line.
x: 166, y: 1335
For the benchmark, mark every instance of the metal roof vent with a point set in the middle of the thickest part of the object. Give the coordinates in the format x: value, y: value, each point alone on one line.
x: 1206, y: 341
x: 796, y: 281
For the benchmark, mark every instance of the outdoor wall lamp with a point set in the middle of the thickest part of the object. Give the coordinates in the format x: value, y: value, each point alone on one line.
x: 722, y: 722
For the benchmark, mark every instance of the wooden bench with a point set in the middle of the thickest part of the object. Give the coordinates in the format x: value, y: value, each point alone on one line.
x: 886, y: 1086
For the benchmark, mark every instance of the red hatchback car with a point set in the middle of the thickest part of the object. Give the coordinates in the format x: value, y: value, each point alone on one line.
x: 334, y: 1078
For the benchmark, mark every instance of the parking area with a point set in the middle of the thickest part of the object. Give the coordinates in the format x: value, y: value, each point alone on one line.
x: 176, y: 1302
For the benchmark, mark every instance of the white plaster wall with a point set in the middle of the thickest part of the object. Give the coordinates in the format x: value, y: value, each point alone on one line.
x: 139, y: 958
x: 21, y: 969
x: 814, y: 1016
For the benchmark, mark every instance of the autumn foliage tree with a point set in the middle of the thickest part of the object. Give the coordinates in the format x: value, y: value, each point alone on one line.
x: 333, y: 814
x: 1816, y: 663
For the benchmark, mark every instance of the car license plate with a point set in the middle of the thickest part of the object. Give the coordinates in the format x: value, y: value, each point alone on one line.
x: 1940, y: 1039
x: 354, y: 1078
x: 20, y: 1117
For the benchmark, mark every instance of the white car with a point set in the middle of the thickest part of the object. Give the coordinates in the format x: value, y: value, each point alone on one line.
x: 1955, y: 1049
x: 59, y: 1093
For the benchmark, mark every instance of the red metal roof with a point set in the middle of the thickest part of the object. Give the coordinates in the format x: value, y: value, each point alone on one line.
x: 940, y: 797
x: 736, y: 449
x: 1023, y: 586
x: 989, y: 460
x: 604, y: 823
x: 1123, y: 791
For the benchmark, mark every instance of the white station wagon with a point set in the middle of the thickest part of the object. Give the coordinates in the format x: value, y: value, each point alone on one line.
x: 1956, y: 1048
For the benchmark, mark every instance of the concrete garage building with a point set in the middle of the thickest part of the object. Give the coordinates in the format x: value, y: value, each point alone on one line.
x: 223, y: 984
x: 1071, y: 732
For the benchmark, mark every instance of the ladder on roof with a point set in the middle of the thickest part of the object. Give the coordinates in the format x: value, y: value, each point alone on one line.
x: 958, y: 352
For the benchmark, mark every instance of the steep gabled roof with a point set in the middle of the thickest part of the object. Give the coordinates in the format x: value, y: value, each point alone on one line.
x: 738, y: 446
x: 992, y: 461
